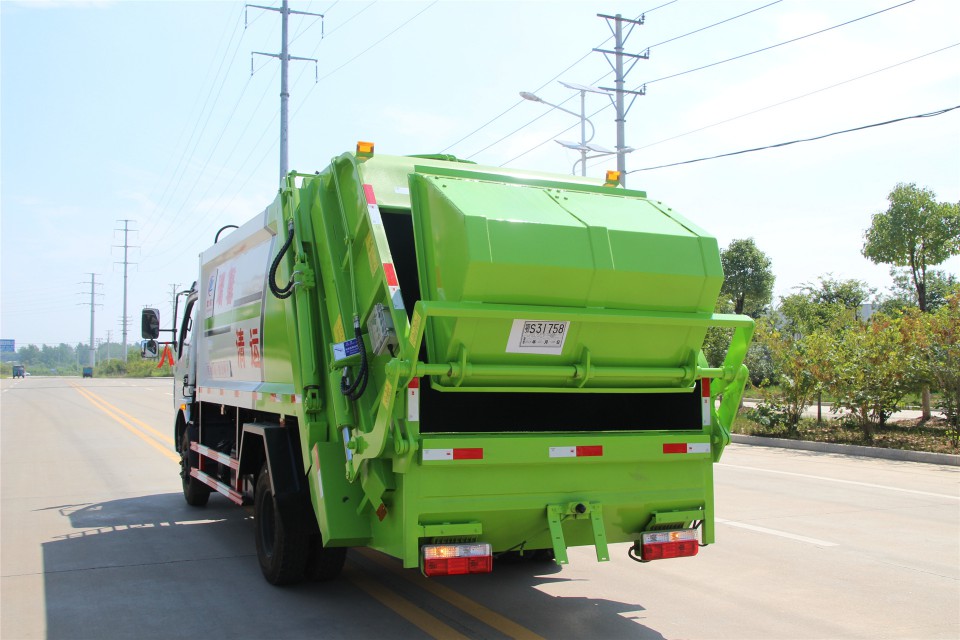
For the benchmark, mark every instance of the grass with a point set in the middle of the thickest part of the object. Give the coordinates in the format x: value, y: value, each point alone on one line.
x: 912, y: 435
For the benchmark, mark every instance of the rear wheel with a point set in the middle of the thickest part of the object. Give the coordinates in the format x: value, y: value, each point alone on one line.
x: 282, y: 541
x: 324, y: 563
x: 194, y: 492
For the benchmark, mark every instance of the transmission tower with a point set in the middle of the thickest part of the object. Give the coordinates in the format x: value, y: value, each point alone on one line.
x: 126, y: 263
x: 92, y: 352
x: 285, y: 59
x: 616, y: 26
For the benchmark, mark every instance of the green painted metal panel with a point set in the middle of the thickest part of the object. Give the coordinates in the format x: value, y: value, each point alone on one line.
x: 632, y: 282
x: 554, y: 245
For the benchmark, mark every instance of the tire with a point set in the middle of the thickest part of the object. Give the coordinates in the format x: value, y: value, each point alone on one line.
x: 282, y: 540
x: 194, y: 492
x: 324, y: 563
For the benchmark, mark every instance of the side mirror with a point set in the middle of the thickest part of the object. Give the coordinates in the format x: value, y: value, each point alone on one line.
x: 149, y: 349
x: 150, y: 324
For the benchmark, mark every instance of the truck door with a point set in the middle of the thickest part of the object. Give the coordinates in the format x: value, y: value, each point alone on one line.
x: 184, y: 371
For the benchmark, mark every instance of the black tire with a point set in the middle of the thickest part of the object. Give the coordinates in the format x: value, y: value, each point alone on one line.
x: 324, y: 563
x: 282, y: 540
x: 195, y: 492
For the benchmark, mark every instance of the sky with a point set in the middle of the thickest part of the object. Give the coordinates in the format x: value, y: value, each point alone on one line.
x: 147, y: 112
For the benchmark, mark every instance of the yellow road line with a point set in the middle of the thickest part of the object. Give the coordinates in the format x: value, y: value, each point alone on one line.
x: 491, y: 618
x: 106, y: 408
x: 400, y: 605
x: 162, y: 436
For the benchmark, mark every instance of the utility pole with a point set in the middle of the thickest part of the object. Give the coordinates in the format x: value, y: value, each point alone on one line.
x: 126, y: 247
x: 91, y: 352
x: 618, y: 90
x: 108, y: 344
x: 285, y: 59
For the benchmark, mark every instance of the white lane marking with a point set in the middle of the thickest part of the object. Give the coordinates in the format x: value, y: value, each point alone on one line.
x: 853, y: 482
x: 774, y: 532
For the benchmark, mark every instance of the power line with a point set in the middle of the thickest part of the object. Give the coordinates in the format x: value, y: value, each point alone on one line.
x: 401, y: 26
x: 784, y: 144
x: 180, y: 162
x: 601, y: 109
x: 689, y: 33
x: 779, y: 44
x: 541, y: 87
x: 795, y: 98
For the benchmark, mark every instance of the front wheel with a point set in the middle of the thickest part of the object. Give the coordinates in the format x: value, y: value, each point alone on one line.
x: 195, y: 492
x: 282, y: 541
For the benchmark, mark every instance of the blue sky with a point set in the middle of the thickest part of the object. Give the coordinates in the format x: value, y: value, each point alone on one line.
x: 147, y: 111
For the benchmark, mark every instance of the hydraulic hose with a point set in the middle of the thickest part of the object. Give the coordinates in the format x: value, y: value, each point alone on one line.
x: 276, y: 290
x: 354, y: 390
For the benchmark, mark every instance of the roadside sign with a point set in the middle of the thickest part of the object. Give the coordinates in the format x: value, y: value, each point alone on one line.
x: 8, y: 346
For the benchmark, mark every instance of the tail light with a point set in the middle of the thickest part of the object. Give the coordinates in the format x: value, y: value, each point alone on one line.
x: 660, y: 545
x: 456, y: 559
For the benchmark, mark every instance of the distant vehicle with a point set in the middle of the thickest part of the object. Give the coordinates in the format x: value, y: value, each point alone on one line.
x: 88, y: 372
x: 18, y: 371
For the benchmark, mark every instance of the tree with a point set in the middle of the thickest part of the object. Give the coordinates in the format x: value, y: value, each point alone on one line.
x: 940, y: 285
x: 935, y: 339
x: 748, y: 278
x: 791, y: 355
x: 850, y: 293
x: 871, y: 367
x: 915, y: 232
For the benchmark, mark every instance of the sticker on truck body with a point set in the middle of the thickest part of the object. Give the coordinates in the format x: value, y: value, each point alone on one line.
x: 538, y: 336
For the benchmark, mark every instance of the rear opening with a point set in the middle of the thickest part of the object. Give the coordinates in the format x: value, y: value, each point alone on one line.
x: 488, y: 412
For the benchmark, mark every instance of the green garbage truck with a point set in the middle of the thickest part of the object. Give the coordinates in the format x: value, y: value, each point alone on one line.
x: 448, y: 363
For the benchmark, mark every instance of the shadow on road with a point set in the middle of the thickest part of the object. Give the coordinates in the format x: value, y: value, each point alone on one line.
x: 153, y: 567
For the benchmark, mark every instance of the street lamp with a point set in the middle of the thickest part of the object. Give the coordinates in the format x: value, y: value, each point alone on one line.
x: 584, y: 145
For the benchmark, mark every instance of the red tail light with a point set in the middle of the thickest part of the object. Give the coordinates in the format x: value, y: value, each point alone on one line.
x: 456, y: 559
x: 660, y: 545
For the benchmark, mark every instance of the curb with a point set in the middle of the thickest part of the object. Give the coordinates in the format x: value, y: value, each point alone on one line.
x: 850, y: 450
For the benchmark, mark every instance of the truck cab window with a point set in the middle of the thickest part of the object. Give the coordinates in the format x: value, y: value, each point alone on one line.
x: 186, y: 328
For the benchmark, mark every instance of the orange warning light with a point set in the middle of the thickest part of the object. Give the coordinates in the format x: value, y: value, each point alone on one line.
x: 613, y: 179
x: 365, y: 149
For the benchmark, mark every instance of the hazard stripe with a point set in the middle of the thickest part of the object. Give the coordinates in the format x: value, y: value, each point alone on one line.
x: 413, y: 400
x: 705, y: 401
x: 377, y: 253
x: 686, y: 447
x: 372, y: 207
x: 218, y: 394
x: 215, y: 455
x: 589, y: 451
x: 433, y: 455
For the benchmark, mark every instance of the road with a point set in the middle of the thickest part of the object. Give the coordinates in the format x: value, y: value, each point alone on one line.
x: 97, y: 542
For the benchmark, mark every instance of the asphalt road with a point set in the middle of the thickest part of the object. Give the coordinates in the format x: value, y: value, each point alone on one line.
x: 97, y: 542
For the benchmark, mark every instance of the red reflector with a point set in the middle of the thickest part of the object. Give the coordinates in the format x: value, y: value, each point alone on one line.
x: 368, y: 193
x: 665, y: 550
x: 468, y: 454
x: 675, y: 447
x: 391, y: 274
x: 705, y: 387
x: 593, y: 450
